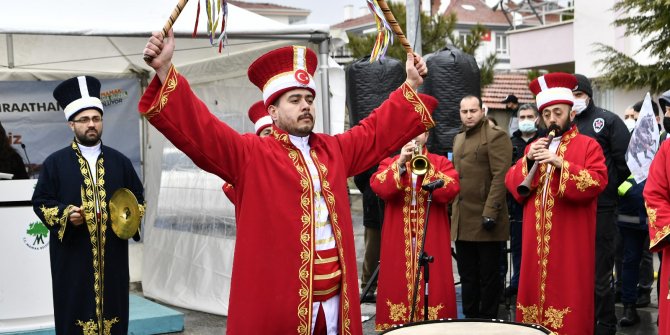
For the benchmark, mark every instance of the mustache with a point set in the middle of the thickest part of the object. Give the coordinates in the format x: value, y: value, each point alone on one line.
x: 306, y: 116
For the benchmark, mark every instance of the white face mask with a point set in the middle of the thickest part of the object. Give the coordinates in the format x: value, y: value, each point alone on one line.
x: 579, y: 106
x: 527, y: 126
x: 630, y: 124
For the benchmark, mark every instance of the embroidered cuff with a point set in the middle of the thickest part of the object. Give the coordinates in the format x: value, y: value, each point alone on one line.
x: 413, y: 98
x: 153, y: 108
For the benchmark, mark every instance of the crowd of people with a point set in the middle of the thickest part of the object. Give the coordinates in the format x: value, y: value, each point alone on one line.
x: 554, y: 182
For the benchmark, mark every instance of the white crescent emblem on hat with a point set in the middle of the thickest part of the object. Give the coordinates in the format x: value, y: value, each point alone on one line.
x: 302, y: 77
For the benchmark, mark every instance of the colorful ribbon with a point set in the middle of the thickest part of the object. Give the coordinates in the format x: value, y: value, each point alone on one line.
x: 384, y: 34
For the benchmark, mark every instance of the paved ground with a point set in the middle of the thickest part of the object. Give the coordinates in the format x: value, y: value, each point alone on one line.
x: 198, y: 323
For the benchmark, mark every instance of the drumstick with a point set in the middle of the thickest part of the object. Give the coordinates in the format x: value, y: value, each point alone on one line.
x: 168, y: 25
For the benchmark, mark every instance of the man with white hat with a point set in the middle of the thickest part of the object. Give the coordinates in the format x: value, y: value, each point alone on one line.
x: 295, y: 265
x: 559, y: 219
x: 89, y: 262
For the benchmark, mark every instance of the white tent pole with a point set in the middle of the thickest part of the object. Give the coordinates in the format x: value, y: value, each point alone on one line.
x: 10, y: 51
x: 324, y: 48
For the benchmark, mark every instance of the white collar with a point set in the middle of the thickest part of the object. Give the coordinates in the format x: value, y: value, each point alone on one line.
x: 94, y: 150
x: 300, y: 142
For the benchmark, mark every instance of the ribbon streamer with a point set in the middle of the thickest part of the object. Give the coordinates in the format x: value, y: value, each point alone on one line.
x: 384, y: 35
x: 216, y: 10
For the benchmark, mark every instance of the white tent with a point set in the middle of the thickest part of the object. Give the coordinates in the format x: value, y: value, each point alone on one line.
x: 185, y: 265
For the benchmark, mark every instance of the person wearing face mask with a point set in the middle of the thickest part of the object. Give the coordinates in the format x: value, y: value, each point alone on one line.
x: 611, y: 133
x: 646, y: 266
x: 527, y: 133
x: 629, y: 118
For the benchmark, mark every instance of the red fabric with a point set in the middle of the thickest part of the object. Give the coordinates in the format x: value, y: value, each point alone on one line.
x: 257, y: 111
x: 229, y: 191
x: 398, y: 256
x: 272, y: 269
x: 556, y: 79
x: 325, y: 289
x: 556, y: 286
x: 657, y: 198
x: 320, y: 326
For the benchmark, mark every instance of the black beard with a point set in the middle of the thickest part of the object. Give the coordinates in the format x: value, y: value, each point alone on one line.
x: 86, y: 141
x: 559, y: 131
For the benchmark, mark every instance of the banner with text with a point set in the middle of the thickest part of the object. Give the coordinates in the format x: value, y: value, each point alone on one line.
x: 31, y: 116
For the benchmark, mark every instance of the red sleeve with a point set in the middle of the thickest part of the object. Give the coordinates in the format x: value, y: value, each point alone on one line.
x: 579, y: 183
x: 184, y: 119
x: 399, y: 119
x: 229, y: 191
x: 657, y: 199
x: 387, y: 182
x: 443, y: 170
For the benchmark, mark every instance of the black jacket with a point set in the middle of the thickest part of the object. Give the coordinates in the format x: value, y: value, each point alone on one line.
x: 373, y: 207
x: 518, y: 149
x: 613, y: 136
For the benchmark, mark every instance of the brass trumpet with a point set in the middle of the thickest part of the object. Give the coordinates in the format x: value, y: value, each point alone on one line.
x: 419, y: 163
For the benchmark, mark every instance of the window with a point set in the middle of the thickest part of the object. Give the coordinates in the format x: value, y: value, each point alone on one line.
x: 463, y: 37
x: 501, y: 44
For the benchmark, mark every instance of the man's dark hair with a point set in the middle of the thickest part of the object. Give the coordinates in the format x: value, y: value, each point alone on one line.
x: 526, y: 107
x: 470, y: 96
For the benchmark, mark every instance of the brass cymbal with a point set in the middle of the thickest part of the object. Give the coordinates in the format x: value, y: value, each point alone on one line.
x: 124, y: 213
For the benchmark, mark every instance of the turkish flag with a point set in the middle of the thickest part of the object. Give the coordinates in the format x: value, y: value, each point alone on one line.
x: 487, y: 36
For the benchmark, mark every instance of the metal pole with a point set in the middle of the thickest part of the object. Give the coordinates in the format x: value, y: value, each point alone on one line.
x: 324, y: 48
x: 413, y: 28
x: 10, y: 51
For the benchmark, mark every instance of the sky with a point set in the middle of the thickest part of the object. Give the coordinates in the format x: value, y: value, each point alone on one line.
x: 323, y: 11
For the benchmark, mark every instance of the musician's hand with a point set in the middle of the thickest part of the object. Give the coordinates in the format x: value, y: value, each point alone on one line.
x: 160, y: 49
x: 406, y: 153
x: 535, y: 147
x: 546, y: 156
x: 415, y: 67
x: 75, y: 216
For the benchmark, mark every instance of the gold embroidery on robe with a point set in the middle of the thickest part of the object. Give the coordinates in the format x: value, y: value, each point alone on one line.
x: 168, y: 87
x: 584, y: 180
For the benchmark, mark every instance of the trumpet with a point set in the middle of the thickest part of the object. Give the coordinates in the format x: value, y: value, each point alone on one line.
x: 524, y: 188
x: 419, y: 163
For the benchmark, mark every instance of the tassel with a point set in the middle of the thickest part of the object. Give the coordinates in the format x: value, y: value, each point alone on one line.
x: 384, y: 33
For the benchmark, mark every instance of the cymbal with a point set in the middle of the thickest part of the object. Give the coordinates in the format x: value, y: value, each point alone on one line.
x: 125, y: 213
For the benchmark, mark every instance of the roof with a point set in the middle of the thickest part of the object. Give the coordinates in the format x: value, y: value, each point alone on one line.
x: 264, y: 5
x: 364, y: 20
x: 505, y: 83
x: 475, y: 11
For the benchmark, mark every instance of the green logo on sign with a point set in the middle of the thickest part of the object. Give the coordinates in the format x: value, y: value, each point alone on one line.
x: 39, y: 232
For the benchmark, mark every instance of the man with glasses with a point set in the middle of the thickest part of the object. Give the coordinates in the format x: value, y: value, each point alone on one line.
x: 89, y: 262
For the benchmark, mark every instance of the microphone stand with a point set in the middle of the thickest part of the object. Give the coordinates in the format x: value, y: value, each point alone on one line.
x: 30, y: 167
x: 424, y: 259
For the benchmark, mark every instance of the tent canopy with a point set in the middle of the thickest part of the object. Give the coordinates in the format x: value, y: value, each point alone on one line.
x: 48, y: 40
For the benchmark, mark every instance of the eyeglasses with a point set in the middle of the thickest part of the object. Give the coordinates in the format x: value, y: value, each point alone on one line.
x: 86, y: 120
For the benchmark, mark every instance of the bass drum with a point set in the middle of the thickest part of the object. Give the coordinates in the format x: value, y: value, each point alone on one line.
x: 467, y: 327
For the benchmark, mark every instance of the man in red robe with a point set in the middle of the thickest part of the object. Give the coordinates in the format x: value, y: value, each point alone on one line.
x: 402, y: 235
x: 559, y: 219
x: 657, y: 198
x: 294, y: 270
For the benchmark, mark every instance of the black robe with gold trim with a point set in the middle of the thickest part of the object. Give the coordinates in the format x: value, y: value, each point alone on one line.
x: 89, y: 263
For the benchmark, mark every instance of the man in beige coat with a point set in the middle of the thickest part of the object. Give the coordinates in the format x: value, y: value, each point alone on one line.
x: 482, y: 156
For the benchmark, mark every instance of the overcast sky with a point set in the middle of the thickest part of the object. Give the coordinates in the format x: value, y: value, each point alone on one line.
x: 323, y: 11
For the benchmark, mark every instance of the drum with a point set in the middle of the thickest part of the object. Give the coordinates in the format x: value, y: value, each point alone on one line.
x: 467, y: 327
